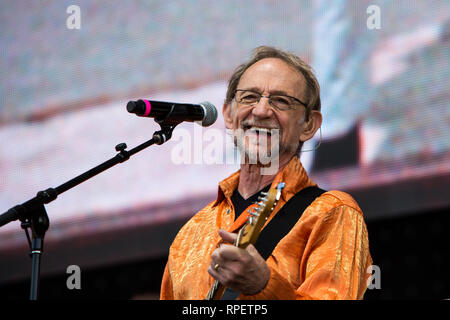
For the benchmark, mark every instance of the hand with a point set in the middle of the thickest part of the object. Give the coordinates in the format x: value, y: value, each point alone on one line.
x: 243, y: 270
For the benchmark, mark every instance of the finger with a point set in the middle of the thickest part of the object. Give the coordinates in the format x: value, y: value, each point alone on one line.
x: 224, y: 255
x: 213, y: 273
x: 213, y: 262
x: 220, y: 274
x: 227, y: 236
x: 253, y: 252
x: 227, y: 253
x: 216, y: 258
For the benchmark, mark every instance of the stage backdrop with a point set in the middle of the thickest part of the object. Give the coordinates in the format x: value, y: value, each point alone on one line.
x: 67, y: 72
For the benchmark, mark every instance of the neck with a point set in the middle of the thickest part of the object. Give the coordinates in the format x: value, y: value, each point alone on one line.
x: 251, y: 180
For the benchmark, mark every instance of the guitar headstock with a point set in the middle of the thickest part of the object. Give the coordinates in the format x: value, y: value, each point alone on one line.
x: 258, y: 216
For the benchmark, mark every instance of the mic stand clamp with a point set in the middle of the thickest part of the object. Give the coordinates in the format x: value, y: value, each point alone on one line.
x: 164, y: 134
x: 38, y: 222
x: 167, y: 125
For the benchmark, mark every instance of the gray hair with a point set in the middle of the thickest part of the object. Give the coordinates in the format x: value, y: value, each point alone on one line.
x: 313, y: 89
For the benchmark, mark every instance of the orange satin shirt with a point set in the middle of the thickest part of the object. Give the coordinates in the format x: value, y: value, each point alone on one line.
x: 325, y: 255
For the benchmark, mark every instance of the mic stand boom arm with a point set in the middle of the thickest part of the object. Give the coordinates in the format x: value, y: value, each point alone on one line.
x: 33, y: 215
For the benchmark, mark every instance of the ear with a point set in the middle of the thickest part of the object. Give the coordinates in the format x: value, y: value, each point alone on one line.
x: 311, y: 125
x: 227, y: 112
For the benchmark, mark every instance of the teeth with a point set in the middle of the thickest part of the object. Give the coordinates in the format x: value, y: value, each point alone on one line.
x: 260, y: 129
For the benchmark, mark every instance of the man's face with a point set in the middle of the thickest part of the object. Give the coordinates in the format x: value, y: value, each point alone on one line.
x: 268, y: 76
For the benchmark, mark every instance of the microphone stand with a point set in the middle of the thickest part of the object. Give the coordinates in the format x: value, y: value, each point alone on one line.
x: 33, y: 215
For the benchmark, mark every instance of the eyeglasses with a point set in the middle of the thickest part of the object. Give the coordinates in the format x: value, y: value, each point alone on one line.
x: 277, y: 101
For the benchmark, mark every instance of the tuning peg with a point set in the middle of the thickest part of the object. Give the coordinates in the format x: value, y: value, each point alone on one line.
x: 264, y: 193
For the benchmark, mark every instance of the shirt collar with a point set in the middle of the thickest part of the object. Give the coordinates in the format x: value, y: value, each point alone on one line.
x: 293, y: 175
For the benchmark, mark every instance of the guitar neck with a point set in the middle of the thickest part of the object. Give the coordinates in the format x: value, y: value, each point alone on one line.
x: 250, y: 231
x: 217, y: 290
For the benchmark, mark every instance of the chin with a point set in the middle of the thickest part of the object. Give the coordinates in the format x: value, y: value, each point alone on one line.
x: 255, y: 154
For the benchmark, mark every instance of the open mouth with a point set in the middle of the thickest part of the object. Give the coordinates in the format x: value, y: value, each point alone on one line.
x: 258, y: 130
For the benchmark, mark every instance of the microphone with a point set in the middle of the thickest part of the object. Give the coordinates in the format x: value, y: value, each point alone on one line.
x: 174, y: 113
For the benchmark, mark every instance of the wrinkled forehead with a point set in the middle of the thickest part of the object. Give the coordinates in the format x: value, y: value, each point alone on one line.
x: 273, y: 76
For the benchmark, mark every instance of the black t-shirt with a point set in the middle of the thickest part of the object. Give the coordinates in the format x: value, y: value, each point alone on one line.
x: 240, y: 204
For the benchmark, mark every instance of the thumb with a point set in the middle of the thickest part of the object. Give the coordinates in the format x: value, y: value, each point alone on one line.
x: 227, y: 236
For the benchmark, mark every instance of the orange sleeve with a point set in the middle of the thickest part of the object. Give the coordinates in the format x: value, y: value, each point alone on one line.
x: 166, y: 285
x: 334, y: 261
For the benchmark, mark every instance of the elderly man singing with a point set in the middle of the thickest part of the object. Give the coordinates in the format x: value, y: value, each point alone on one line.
x: 314, y: 244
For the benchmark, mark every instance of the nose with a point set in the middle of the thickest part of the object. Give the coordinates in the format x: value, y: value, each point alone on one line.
x: 262, y: 109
